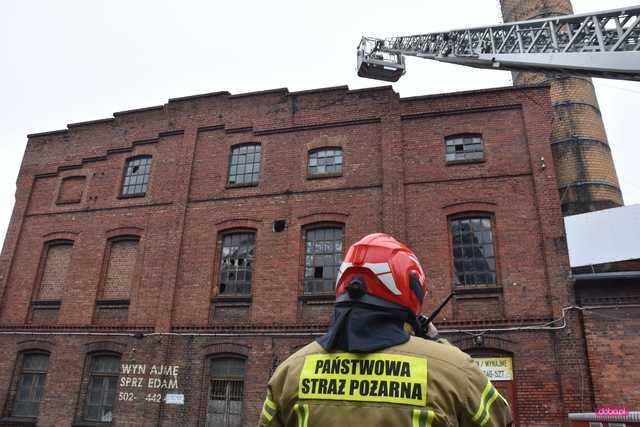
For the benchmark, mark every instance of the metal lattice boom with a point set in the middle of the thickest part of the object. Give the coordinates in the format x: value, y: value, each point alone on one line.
x: 601, y: 44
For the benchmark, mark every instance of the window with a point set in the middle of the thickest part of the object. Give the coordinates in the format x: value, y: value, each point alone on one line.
x: 464, y: 147
x: 224, y: 407
x: 474, y: 259
x: 244, y: 168
x: 71, y: 190
x: 121, y: 264
x: 596, y: 425
x: 323, y: 256
x: 236, y: 263
x: 30, y: 385
x: 325, y: 161
x: 102, y: 388
x: 54, y: 271
x: 136, y: 176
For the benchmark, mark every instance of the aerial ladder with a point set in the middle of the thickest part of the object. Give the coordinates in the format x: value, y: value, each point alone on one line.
x: 601, y: 44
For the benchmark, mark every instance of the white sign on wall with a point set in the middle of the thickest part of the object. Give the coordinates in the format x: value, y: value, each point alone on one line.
x: 174, y: 399
x: 496, y: 368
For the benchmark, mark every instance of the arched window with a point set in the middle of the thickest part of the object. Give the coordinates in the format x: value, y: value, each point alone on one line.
x: 103, y: 382
x: 322, y: 258
x: 31, y: 382
x: 244, y: 166
x: 136, y: 176
x: 236, y: 262
x: 325, y: 161
x: 474, y: 259
x: 55, y: 269
x: 226, y: 391
x: 121, y: 262
x: 464, y: 147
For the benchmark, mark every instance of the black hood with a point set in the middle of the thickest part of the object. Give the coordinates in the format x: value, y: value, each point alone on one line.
x: 364, y: 328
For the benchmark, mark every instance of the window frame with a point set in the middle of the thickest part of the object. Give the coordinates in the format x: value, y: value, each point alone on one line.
x: 218, y: 263
x: 105, y: 268
x: 311, y: 175
x: 208, y: 382
x: 465, y: 160
x: 234, y: 147
x: 88, y: 381
x: 43, y: 266
x: 20, y: 370
x: 474, y: 215
x: 147, y: 184
x: 303, y: 254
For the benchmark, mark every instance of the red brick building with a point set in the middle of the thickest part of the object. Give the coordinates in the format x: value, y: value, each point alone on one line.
x: 161, y: 262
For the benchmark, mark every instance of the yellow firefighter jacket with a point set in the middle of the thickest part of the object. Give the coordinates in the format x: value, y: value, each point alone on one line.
x: 419, y: 383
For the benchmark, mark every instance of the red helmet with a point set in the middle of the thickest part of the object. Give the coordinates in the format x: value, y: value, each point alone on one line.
x: 380, y: 266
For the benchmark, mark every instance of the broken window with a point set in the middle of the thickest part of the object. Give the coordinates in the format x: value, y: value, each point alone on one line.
x: 244, y: 168
x: 136, y: 176
x: 464, y: 147
x: 236, y: 263
x: 30, y: 385
x: 102, y: 388
x: 226, y: 390
x: 474, y: 259
x: 323, y: 256
x: 325, y: 161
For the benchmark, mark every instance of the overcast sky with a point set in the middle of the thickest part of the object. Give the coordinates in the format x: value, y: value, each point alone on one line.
x: 68, y: 61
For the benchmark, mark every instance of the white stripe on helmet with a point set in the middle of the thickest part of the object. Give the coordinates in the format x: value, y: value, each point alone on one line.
x: 381, y: 270
x: 342, y: 269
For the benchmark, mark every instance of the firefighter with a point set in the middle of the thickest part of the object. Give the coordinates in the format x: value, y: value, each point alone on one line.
x: 370, y: 368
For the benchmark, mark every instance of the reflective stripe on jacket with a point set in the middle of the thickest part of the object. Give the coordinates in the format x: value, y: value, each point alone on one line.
x: 419, y: 384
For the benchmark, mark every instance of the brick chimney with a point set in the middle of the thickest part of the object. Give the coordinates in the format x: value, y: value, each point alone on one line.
x: 587, y: 178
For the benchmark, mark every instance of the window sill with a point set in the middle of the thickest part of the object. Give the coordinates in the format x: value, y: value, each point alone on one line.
x: 324, y: 176
x: 464, y: 162
x: 113, y: 302
x: 252, y: 184
x: 471, y: 291
x: 18, y: 421
x: 68, y: 202
x: 318, y: 298
x: 240, y: 299
x: 91, y: 424
x: 131, y: 196
x: 47, y: 303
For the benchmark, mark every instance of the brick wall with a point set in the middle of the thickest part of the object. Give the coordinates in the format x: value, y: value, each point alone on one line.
x: 55, y: 271
x: 394, y: 179
x: 120, y: 269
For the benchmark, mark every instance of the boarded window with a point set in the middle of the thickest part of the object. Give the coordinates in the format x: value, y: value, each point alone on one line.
x: 226, y: 390
x: 120, y: 269
x: 103, y: 382
x: 244, y: 168
x: 464, y: 147
x: 71, y: 190
x: 474, y: 259
x: 31, y: 381
x: 323, y: 256
x: 236, y: 263
x: 136, y: 176
x: 325, y: 161
x: 54, y: 273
